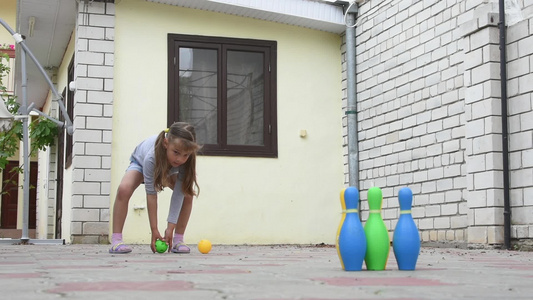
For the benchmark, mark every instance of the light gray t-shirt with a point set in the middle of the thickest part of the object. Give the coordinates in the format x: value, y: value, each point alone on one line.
x: 145, y: 157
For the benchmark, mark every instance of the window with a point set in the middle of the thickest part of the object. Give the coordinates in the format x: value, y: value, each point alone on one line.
x: 226, y: 88
x: 70, y: 112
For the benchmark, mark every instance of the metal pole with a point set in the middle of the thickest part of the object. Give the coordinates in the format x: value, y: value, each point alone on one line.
x: 25, y: 142
x: 24, y: 115
x: 351, y: 109
x: 20, y: 41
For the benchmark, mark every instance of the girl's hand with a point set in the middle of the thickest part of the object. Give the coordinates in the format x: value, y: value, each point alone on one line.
x: 155, y: 236
x: 169, y: 234
x: 168, y: 237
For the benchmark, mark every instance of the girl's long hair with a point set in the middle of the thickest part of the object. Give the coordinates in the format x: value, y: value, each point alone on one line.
x: 187, y: 135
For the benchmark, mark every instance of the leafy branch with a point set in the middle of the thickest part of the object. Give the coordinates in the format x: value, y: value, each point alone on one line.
x: 43, y: 132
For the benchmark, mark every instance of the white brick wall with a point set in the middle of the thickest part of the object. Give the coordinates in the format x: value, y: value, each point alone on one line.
x: 93, y: 123
x: 520, y: 109
x: 429, y: 114
x: 483, y: 128
x: 52, y: 181
x: 409, y: 110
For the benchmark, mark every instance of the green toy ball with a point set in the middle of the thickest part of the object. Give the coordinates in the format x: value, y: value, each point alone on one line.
x: 160, y: 246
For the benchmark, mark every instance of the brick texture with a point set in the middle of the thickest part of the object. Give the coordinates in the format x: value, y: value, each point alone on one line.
x: 93, y: 123
x: 429, y: 115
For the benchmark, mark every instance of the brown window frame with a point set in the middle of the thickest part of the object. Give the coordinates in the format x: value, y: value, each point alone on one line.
x: 222, y: 45
x: 70, y: 111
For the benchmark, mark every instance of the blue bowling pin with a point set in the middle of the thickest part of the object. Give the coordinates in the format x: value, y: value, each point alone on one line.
x: 406, y: 239
x: 351, y: 239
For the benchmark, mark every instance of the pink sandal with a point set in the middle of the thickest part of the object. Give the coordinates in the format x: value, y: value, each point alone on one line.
x: 181, y: 248
x: 120, y: 248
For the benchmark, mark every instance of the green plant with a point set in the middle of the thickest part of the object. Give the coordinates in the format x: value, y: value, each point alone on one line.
x: 43, y: 132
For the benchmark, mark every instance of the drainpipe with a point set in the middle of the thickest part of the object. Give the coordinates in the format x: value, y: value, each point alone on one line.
x: 25, y: 150
x: 351, y: 109
x: 505, y: 134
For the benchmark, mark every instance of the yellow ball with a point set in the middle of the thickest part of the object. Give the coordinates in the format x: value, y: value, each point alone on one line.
x: 204, y: 246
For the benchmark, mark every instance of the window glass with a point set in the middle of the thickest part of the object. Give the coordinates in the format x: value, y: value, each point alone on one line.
x: 245, y: 82
x: 198, y: 92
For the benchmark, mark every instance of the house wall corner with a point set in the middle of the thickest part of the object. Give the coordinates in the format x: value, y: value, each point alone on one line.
x: 93, y: 112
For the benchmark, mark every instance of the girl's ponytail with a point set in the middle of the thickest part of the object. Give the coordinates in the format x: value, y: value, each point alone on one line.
x: 162, y: 166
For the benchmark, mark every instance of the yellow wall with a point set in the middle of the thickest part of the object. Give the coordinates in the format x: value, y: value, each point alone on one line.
x: 8, y: 13
x: 289, y: 199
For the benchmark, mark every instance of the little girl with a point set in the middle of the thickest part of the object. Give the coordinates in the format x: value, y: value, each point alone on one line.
x: 165, y: 160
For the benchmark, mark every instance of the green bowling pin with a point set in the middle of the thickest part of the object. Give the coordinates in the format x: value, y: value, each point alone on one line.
x: 377, y: 235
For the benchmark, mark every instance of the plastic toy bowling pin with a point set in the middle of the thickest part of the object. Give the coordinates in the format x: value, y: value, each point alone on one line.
x: 377, y: 235
x: 351, y: 240
x: 406, y: 239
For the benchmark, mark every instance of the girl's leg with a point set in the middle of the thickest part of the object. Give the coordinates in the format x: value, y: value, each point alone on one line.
x: 178, y: 244
x: 131, y: 180
x: 178, y: 217
x: 185, y: 214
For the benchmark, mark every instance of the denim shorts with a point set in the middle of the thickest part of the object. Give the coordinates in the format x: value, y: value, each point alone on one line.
x: 134, y: 165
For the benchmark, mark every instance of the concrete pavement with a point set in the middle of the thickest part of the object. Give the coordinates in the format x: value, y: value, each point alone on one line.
x: 256, y: 272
